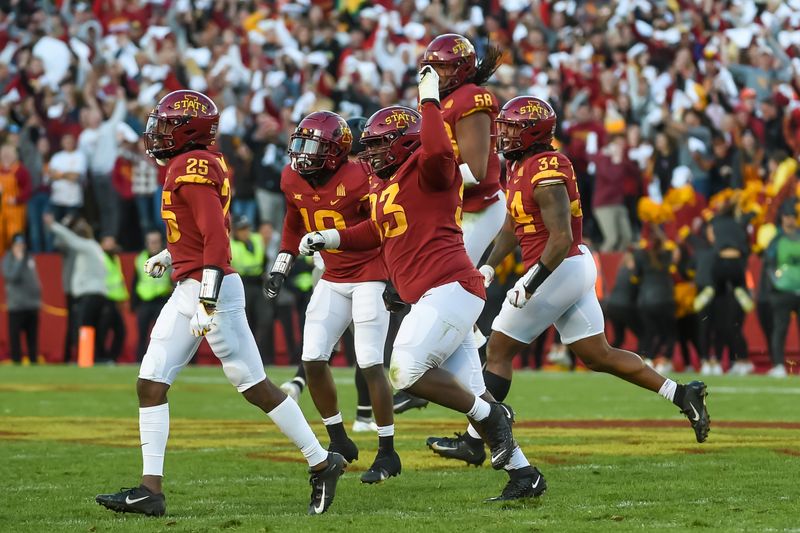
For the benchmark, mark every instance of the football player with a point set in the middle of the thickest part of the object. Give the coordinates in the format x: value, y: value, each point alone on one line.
x: 208, y: 301
x: 324, y: 190
x: 364, y: 421
x: 558, y: 288
x: 469, y: 109
x: 416, y: 214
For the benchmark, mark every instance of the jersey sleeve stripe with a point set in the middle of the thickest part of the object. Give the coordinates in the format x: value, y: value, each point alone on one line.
x: 193, y: 178
x: 547, y: 174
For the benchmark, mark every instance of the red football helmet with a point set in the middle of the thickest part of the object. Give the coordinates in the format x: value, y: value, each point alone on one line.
x: 523, y: 122
x: 321, y: 141
x: 180, y: 121
x: 390, y: 136
x: 454, y: 58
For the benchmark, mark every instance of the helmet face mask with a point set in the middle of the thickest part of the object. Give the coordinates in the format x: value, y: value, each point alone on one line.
x: 454, y: 59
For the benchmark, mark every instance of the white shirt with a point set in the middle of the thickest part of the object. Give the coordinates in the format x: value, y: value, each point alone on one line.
x: 65, y: 192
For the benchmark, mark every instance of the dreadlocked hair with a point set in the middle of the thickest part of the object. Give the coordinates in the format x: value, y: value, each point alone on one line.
x: 487, y: 65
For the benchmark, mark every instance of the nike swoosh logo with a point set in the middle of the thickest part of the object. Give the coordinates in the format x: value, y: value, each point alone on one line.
x: 494, y: 457
x: 137, y: 500
x: 444, y: 448
x: 401, y: 404
x: 318, y: 509
x: 533, y: 486
x: 696, y: 414
x: 334, y: 202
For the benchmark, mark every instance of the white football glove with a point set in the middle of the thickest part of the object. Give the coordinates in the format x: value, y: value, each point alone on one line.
x: 488, y: 275
x: 428, y: 84
x: 327, y: 239
x: 202, y: 321
x: 158, y: 264
x: 517, y: 295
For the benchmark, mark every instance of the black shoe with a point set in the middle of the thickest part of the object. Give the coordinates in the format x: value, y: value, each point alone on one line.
x: 386, y: 465
x: 462, y: 447
x: 136, y: 500
x: 346, y: 448
x: 404, y: 401
x: 528, y: 485
x: 694, y: 407
x: 498, y: 435
x: 323, y: 484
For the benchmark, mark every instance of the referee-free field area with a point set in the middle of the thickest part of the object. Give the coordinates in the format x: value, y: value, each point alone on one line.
x: 616, y: 458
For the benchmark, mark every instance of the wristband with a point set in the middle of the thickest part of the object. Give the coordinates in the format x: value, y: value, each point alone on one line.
x: 535, y: 277
x: 210, y: 285
x: 283, y: 264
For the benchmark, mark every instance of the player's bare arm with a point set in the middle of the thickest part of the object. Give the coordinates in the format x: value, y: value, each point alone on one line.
x: 504, y: 244
x: 554, y: 204
x: 472, y: 132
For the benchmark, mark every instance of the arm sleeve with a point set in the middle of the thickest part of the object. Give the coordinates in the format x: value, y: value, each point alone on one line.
x: 120, y: 110
x: 362, y: 236
x: 293, y: 229
x: 437, y: 162
x: 204, y: 202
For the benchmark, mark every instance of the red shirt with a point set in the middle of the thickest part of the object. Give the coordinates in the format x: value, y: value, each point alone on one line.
x: 464, y: 101
x: 122, y: 177
x: 543, y: 169
x: 416, y: 219
x: 194, y: 206
x: 340, y: 203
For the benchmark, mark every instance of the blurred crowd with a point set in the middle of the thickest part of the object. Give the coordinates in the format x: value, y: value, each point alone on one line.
x: 682, y: 119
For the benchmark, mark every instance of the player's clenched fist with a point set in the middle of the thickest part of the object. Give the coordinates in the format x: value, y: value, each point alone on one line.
x: 272, y: 285
x: 488, y: 275
x: 158, y: 264
x: 202, y: 321
x: 319, y: 240
x: 428, y: 84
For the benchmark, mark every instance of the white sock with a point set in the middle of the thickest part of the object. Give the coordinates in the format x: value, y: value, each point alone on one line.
x: 153, y: 434
x: 480, y: 410
x: 386, y: 431
x: 518, y: 460
x: 472, y: 432
x: 667, y: 390
x: 335, y: 419
x: 290, y: 420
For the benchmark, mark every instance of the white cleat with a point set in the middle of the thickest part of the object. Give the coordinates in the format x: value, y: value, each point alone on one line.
x: 558, y: 355
x: 364, y: 425
x: 707, y: 369
x: 740, y: 368
x: 291, y: 389
x: 777, y: 371
x: 664, y: 367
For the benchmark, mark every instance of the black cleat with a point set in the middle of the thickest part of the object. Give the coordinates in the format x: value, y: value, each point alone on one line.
x: 404, y: 401
x: 528, y: 484
x: 323, y: 484
x: 694, y: 407
x: 346, y: 448
x: 135, y: 500
x: 496, y: 430
x: 462, y: 447
x: 386, y: 465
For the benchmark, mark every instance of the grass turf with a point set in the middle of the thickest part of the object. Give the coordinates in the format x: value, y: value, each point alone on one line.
x: 616, y: 458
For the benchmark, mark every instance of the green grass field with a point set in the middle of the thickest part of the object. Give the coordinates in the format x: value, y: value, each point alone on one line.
x: 616, y: 459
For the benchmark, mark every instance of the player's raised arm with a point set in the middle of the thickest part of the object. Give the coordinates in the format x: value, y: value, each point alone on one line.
x: 437, y: 160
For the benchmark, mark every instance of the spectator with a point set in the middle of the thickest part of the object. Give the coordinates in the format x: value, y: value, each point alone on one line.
x: 267, y: 142
x: 613, y: 170
x: 67, y: 174
x: 88, y: 281
x: 783, y: 266
x: 34, y: 150
x: 146, y: 190
x: 111, y: 320
x: 99, y: 144
x: 148, y: 295
x: 15, y: 189
x: 122, y: 180
x: 23, y: 299
x: 694, y: 140
x: 662, y: 163
x: 620, y: 305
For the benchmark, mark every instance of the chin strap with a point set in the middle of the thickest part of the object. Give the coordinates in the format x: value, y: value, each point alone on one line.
x: 210, y: 285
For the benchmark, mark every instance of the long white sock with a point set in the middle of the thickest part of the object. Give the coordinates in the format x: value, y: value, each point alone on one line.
x: 153, y: 434
x: 290, y: 420
x: 667, y: 390
x: 472, y: 432
x: 480, y: 410
x: 518, y: 460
